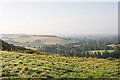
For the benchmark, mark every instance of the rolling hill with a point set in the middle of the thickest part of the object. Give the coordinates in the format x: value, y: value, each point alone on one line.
x: 34, y: 40
x: 25, y: 65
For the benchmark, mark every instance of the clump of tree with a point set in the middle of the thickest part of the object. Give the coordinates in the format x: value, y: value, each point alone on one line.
x: 106, y: 54
x: 10, y: 47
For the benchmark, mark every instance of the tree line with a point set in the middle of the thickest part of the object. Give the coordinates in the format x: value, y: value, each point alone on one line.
x: 82, y: 48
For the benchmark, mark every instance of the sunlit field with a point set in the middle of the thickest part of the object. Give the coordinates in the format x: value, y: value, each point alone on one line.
x: 101, y: 51
x: 25, y: 65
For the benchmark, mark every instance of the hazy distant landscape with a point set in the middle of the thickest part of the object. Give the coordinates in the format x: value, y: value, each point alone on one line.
x: 34, y: 40
x: 85, y: 57
x: 57, y: 39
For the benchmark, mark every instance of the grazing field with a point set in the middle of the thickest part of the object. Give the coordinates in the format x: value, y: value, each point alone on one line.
x: 101, y: 51
x: 24, y: 65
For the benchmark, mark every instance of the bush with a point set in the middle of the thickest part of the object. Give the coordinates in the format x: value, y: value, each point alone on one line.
x: 29, y: 51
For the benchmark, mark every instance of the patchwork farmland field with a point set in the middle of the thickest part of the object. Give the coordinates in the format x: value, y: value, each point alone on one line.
x: 101, y: 51
x: 24, y: 65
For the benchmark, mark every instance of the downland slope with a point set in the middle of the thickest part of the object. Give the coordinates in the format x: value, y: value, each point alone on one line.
x: 33, y: 40
x: 24, y: 65
x: 43, y: 65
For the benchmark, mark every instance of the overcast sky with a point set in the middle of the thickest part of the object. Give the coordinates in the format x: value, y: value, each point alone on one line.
x: 59, y: 18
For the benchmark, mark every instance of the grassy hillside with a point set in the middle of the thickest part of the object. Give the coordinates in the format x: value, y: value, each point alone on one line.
x: 33, y: 40
x: 55, y: 66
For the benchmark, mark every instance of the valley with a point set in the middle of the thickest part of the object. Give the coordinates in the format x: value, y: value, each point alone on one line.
x: 81, y: 58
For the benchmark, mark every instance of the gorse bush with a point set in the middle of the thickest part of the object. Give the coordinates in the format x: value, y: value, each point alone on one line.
x: 29, y: 51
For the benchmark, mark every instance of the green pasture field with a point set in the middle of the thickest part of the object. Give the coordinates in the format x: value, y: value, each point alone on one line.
x: 25, y: 65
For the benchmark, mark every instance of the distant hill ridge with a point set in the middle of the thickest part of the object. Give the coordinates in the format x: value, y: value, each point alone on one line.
x: 29, y: 35
x: 45, y: 35
x: 33, y: 40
